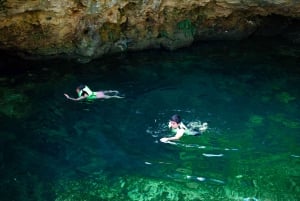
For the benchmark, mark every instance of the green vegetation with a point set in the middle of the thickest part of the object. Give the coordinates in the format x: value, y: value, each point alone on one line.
x: 187, y: 27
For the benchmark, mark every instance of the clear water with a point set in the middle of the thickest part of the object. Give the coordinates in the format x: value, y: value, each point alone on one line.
x: 248, y: 92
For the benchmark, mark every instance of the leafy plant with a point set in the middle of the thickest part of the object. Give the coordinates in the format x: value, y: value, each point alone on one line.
x: 187, y: 27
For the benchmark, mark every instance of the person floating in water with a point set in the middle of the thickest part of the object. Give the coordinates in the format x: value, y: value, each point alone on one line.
x: 84, y: 92
x: 180, y: 129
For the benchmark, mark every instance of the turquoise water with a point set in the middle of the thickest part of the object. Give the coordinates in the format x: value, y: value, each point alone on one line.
x: 248, y: 92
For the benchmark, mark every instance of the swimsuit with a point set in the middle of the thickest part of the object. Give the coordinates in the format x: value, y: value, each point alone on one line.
x: 99, y: 94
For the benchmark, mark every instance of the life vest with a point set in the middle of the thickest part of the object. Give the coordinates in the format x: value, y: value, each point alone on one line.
x: 90, y: 93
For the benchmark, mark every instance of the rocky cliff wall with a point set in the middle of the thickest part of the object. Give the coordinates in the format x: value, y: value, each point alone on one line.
x: 88, y: 29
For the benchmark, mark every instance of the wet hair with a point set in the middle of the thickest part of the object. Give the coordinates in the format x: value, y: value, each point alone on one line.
x: 80, y: 87
x: 176, y: 118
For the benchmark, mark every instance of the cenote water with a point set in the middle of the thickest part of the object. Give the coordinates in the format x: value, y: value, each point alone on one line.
x: 248, y: 92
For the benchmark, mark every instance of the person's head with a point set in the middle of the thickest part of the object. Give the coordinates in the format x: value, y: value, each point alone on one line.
x: 175, y: 121
x: 80, y: 87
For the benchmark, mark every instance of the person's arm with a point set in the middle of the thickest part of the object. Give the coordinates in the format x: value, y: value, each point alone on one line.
x: 75, y: 99
x: 178, y: 135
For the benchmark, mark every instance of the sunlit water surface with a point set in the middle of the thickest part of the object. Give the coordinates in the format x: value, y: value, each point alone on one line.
x: 248, y: 92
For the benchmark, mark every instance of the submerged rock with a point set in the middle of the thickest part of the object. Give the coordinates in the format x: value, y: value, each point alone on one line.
x: 255, y: 120
x: 14, y: 104
x: 285, y: 97
x: 129, y: 188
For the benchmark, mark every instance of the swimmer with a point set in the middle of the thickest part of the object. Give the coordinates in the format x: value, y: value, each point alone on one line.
x: 177, y: 126
x: 84, y: 92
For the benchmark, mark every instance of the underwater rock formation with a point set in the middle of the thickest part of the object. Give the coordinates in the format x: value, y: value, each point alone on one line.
x: 88, y: 29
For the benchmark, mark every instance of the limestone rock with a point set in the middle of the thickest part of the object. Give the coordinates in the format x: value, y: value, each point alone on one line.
x: 88, y: 29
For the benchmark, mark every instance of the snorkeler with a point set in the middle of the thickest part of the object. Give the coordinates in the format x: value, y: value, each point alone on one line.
x: 177, y: 126
x: 84, y: 92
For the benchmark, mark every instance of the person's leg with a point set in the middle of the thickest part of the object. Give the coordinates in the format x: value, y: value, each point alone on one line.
x: 203, y: 127
x: 108, y: 97
x: 111, y: 91
x: 116, y: 96
x: 100, y: 94
x: 194, y: 132
x: 111, y: 94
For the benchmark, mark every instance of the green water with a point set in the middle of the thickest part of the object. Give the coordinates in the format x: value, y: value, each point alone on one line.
x: 248, y: 92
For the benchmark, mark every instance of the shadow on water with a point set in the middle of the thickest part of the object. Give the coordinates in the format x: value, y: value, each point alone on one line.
x: 55, y: 149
